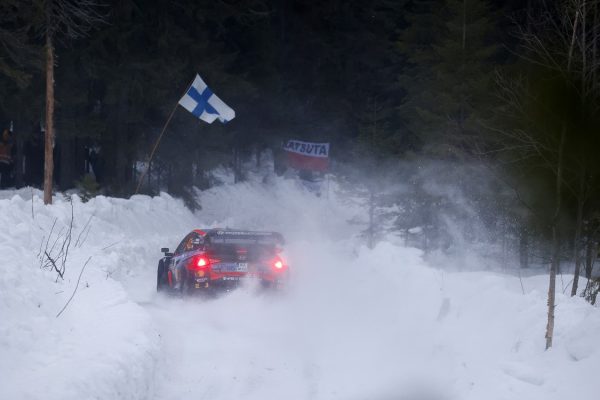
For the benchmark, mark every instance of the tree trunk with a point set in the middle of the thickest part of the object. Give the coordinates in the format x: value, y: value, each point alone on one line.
x: 589, y: 257
x: 524, y: 248
x: 463, y: 96
x: 121, y: 157
x: 237, y: 165
x: 72, y: 165
x: 572, y: 46
x: 594, y: 46
x: 235, y: 171
x: 371, y: 232
x: 49, y: 133
x: 19, y: 143
x: 117, y: 168
x: 578, y: 227
x: 552, y: 288
x: 581, y: 195
x: 583, y: 53
x: 555, y: 263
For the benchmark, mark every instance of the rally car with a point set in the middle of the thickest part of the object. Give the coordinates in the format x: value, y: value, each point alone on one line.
x: 208, y: 260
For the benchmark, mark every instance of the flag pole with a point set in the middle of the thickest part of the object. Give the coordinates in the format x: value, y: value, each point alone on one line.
x: 139, y: 185
x: 137, y: 189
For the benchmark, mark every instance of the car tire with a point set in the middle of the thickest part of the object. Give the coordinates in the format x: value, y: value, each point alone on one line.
x: 161, y: 277
x: 187, y: 285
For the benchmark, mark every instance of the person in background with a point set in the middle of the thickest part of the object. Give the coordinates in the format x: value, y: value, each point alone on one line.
x: 6, y: 159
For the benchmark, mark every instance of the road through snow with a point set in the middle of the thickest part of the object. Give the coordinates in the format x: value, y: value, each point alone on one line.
x: 315, y: 341
x: 236, y: 347
x: 398, y: 332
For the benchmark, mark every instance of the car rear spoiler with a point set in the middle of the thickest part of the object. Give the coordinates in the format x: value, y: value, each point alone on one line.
x: 238, y: 236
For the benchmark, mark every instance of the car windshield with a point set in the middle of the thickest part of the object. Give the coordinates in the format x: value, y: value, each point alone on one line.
x: 243, y: 250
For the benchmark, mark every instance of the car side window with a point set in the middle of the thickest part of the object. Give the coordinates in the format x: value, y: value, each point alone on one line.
x: 181, y: 248
x: 189, y: 243
x: 194, y: 242
x: 197, y: 242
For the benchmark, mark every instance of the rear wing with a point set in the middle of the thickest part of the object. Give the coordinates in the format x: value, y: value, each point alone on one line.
x: 225, y: 236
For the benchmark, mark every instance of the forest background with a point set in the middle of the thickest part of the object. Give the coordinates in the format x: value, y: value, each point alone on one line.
x: 500, y: 98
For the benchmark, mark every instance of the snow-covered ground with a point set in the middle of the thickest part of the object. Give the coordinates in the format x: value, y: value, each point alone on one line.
x: 355, y: 323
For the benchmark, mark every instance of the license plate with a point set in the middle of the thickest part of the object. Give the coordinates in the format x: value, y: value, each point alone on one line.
x: 235, y: 267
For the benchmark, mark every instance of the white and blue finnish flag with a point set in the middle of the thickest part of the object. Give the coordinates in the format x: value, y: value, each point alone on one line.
x: 204, y: 104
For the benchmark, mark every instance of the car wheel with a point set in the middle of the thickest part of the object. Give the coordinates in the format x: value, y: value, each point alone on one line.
x: 161, y: 277
x: 187, y: 285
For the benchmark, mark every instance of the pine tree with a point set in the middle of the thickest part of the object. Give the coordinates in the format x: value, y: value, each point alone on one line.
x: 58, y: 20
x: 449, y: 52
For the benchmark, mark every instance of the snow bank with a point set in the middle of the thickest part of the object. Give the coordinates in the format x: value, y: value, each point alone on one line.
x: 103, y: 345
x: 355, y: 323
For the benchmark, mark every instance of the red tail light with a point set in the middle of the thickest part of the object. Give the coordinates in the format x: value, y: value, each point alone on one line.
x: 201, y: 262
x: 278, y: 264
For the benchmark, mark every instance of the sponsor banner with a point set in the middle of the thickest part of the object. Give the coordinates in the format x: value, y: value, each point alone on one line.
x: 307, y: 155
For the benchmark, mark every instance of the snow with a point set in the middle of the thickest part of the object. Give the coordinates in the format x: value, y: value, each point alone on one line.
x: 355, y: 323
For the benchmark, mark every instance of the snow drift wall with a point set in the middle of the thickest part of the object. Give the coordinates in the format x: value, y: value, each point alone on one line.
x: 103, y: 345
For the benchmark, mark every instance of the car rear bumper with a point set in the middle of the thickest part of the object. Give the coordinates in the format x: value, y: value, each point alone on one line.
x: 228, y: 282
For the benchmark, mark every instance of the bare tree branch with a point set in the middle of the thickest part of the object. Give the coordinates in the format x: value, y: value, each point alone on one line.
x: 74, y: 290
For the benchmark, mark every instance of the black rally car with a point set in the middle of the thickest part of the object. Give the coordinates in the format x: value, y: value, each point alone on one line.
x: 213, y: 259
